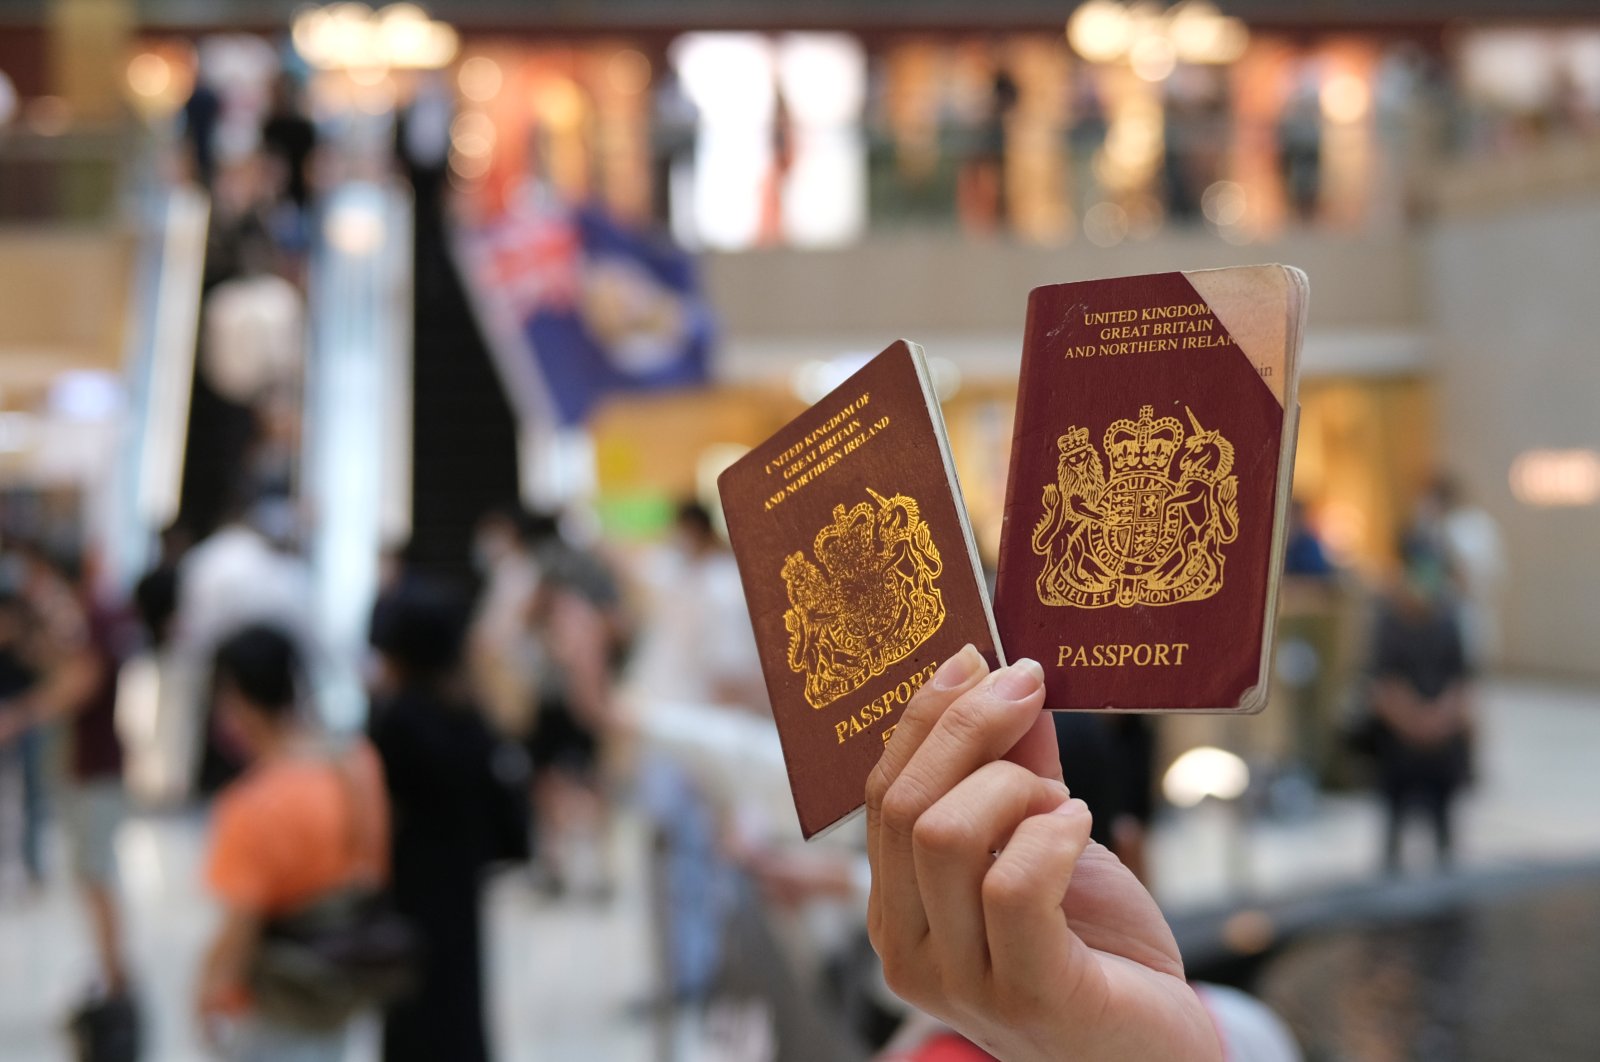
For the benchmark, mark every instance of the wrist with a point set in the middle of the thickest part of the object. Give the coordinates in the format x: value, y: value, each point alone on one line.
x: 1175, y: 1026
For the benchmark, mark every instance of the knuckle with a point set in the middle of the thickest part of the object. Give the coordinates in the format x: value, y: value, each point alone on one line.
x: 902, y: 806
x: 966, y: 718
x: 1012, y: 777
x: 903, y: 975
x: 944, y: 832
x: 877, y: 786
x: 1008, y: 888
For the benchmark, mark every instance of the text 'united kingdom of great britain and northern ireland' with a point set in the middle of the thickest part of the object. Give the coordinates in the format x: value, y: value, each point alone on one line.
x: 1148, y: 329
x: 805, y: 461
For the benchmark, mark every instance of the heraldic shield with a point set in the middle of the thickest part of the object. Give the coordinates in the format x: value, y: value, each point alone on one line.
x: 871, y: 598
x: 1151, y: 531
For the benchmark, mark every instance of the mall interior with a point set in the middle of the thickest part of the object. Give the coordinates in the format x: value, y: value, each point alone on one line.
x: 400, y: 348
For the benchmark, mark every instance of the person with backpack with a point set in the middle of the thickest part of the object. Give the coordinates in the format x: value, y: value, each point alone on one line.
x: 299, y: 846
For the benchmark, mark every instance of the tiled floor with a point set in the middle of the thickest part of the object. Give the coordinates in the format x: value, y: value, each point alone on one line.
x: 567, y: 976
x: 1537, y: 798
x: 570, y: 976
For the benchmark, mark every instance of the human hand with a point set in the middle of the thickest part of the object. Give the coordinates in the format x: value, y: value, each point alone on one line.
x: 213, y: 1022
x: 991, y: 909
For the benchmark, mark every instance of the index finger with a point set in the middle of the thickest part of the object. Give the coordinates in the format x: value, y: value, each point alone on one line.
x: 895, y: 873
x: 955, y: 676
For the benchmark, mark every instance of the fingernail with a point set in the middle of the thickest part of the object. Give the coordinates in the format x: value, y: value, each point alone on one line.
x: 958, y: 668
x: 1020, y: 680
x: 1071, y: 807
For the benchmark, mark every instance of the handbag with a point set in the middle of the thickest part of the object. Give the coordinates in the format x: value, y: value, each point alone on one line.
x: 107, y: 1030
x: 342, y: 953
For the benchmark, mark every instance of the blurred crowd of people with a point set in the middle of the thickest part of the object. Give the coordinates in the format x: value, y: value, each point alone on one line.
x: 493, y: 736
x: 509, y: 722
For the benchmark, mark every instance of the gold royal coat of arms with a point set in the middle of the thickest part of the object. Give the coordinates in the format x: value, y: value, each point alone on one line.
x: 870, y: 600
x: 1149, y: 533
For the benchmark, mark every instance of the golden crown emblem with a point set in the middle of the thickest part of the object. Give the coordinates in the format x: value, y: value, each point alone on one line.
x: 871, y: 600
x: 1074, y: 440
x: 1152, y: 529
x: 1148, y: 444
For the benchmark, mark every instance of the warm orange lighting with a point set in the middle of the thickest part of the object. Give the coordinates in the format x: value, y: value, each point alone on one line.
x: 559, y: 102
x: 480, y: 79
x: 1153, y: 58
x: 628, y: 72
x: 1223, y: 203
x: 353, y: 37
x: 473, y: 126
x: 1345, y: 99
x: 1100, y: 31
x: 1205, y: 772
x: 149, y: 75
x: 1154, y: 41
x: 1105, y: 224
x: 469, y: 167
x: 1556, y: 478
x: 367, y: 76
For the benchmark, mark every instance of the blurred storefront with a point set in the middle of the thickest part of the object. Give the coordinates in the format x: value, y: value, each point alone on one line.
x: 854, y: 174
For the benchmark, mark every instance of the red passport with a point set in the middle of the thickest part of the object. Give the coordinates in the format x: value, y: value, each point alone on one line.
x: 860, y: 572
x: 1149, y: 485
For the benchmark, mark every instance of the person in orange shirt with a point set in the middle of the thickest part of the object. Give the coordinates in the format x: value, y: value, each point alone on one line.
x: 310, y: 817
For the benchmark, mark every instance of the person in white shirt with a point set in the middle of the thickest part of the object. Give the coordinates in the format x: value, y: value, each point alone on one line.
x: 243, y: 573
x: 698, y: 647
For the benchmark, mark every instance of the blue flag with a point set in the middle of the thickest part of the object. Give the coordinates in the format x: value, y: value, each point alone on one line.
x: 579, y: 307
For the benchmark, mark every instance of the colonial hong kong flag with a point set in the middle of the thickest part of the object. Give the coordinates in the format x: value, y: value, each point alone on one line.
x: 578, y: 306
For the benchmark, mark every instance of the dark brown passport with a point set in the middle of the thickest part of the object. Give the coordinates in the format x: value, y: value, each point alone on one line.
x: 1149, y: 481
x: 859, y: 570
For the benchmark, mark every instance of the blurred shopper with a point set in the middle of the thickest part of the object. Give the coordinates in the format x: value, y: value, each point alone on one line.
x: 1469, y: 540
x: 422, y: 137
x: 697, y: 646
x: 154, y: 717
x: 289, y: 141
x: 202, y: 114
x: 244, y: 573
x: 674, y: 126
x: 77, y: 646
x: 1420, y: 704
x: 307, y: 824
x: 19, y: 741
x: 239, y: 241
x: 288, y: 147
x: 585, y: 572
x: 501, y: 650
x: 1300, y: 150
x: 460, y: 803
x: 1304, y: 553
x: 981, y: 182
x: 1107, y: 765
x: 578, y: 622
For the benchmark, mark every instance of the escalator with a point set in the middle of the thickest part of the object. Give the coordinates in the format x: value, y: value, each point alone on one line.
x: 465, y: 443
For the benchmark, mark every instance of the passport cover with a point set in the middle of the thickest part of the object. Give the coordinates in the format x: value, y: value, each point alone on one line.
x: 1149, y: 480
x: 859, y: 570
